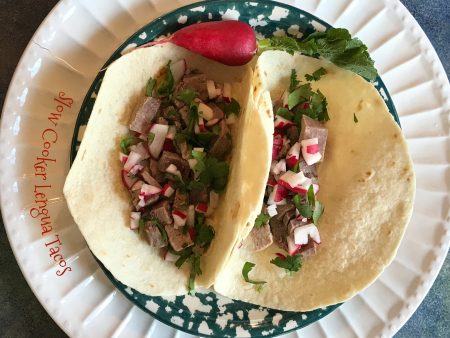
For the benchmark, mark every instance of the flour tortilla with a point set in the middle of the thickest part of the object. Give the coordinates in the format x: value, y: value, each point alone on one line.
x: 101, y: 205
x: 367, y: 186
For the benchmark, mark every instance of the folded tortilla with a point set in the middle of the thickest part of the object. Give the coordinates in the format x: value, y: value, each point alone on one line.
x: 367, y: 187
x: 101, y: 205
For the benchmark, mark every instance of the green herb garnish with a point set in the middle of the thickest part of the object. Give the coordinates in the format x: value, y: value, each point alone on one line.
x: 248, y: 266
x: 299, y: 95
x: 161, y: 229
x: 215, y: 174
x: 166, y: 86
x: 184, y: 255
x: 291, y: 263
x: 335, y: 45
x: 126, y: 143
x: 141, y: 227
x: 296, y: 168
x: 195, y: 271
x: 150, y: 137
x: 150, y: 86
x: 284, y: 112
x: 318, y: 210
x: 187, y: 96
x: 294, y: 82
x: 261, y: 220
x: 311, y: 196
x: 204, y: 233
x: 316, y: 75
x: 228, y: 108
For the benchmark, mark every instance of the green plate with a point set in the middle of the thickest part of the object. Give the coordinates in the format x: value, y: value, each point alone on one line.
x: 207, y: 313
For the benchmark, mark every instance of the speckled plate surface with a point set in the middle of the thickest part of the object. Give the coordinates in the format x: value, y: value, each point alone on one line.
x: 40, y: 114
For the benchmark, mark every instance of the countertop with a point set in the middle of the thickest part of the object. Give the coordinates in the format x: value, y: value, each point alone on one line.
x: 21, y: 314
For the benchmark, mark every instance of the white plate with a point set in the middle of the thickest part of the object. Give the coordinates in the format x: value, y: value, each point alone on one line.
x: 63, y: 58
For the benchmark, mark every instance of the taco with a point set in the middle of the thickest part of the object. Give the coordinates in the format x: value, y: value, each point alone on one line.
x: 168, y: 168
x: 339, y: 192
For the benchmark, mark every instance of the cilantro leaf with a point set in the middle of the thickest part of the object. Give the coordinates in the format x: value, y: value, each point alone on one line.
x: 296, y: 168
x: 355, y: 119
x: 187, y: 96
x: 126, y: 143
x: 150, y: 86
x: 291, y: 263
x: 294, y: 82
x: 335, y: 45
x: 184, y: 255
x: 204, y: 234
x: 284, y: 112
x: 319, y: 106
x: 228, y: 108
x: 318, y: 210
x: 311, y: 196
x: 215, y: 174
x: 195, y: 271
x: 166, y: 85
x: 301, y: 94
x: 200, y: 156
x: 261, y: 220
x: 316, y: 75
x: 193, y: 117
x: 161, y: 228
x: 150, y: 137
x: 248, y: 266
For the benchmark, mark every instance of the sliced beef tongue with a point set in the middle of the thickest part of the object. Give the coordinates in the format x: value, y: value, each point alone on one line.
x: 295, y: 223
x: 153, y: 235
x: 309, y: 171
x: 221, y: 144
x: 261, y: 237
x: 314, y: 129
x: 181, y: 201
x: 178, y: 238
x: 144, y: 114
x: 198, y: 195
x: 309, y: 249
x: 168, y: 158
x: 217, y: 112
x: 279, y: 227
x: 195, y: 82
x: 141, y: 149
x: 149, y: 179
x: 293, y: 134
x: 155, y: 172
x: 162, y: 212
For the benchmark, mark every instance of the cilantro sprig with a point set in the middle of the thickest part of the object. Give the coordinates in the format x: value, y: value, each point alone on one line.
x: 312, y: 208
x: 335, y: 45
x: 248, y: 266
x: 291, y: 263
x: 166, y: 84
x: 126, y: 143
x: 315, y: 76
x: 261, y: 220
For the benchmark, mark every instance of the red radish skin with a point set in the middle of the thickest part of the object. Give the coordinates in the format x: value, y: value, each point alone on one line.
x: 312, y: 149
x: 192, y: 233
x: 168, y: 146
x: 232, y: 43
x: 201, y: 208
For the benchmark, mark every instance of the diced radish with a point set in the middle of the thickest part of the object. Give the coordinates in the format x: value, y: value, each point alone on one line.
x: 141, y: 149
x: 231, y: 119
x: 293, y: 155
x: 167, y: 190
x: 133, y: 159
x: 305, y: 105
x: 309, y: 158
x: 134, y: 223
x: 136, y: 169
x: 292, y: 247
x: 302, y: 234
x: 127, y: 180
x: 277, y: 145
x: 170, y: 257
x: 147, y: 200
x: 172, y: 169
x: 171, y: 132
x: 192, y: 233
x: 278, y: 195
x: 148, y: 190
x: 179, y: 218
x: 191, y: 216
x: 213, y: 202
x: 229, y: 42
x: 200, y: 127
x: 272, y: 210
x: 291, y: 180
x: 313, y: 149
x: 149, y: 179
x: 212, y: 122
x: 160, y: 131
x: 201, y: 208
x: 279, y: 167
x: 178, y: 69
x: 279, y: 254
x: 137, y: 186
x: 168, y: 146
x: 227, y: 92
x: 285, y: 97
x: 205, y: 111
x: 123, y: 158
x: 212, y: 91
x: 281, y: 122
x: 271, y: 182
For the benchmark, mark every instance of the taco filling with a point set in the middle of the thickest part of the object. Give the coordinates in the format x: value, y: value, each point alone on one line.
x: 176, y: 161
x: 290, y: 211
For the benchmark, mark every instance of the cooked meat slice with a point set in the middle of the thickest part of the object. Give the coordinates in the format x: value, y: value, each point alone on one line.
x: 184, y: 113
x: 183, y: 148
x: 198, y: 196
x: 261, y: 237
x: 282, y: 210
x: 195, y: 82
x: 217, y: 112
x: 170, y: 113
x: 309, y: 171
x: 168, y: 158
x: 141, y: 149
x: 221, y: 144
x: 181, y: 201
x: 149, y: 179
x: 155, y: 172
x: 295, y: 223
x: 279, y: 231
x: 144, y: 114
x: 293, y: 134
x: 177, y: 238
x: 284, y: 149
x: 162, y: 212
x: 309, y: 249
x: 153, y: 235
x: 312, y: 129
x: 290, y: 214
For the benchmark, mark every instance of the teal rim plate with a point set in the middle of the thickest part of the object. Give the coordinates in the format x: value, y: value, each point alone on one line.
x: 207, y: 313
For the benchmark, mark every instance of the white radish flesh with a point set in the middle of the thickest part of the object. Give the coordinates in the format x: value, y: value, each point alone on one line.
x: 133, y: 159
x: 293, y: 179
x: 302, y: 234
x: 205, y: 111
x: 272, y: 210
x: 134, y: 223
x: 279, y: 167
x: 212, y: 91
x: 160, y: 131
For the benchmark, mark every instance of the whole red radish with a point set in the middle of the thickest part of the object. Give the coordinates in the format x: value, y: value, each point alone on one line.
x: 232, y: 43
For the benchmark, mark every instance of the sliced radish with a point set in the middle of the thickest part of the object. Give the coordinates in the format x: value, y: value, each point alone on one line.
x: 272, y: 210
x: 133, y: 159
x: 147, y: 200
x: 277, y: 145
x: 312, y: 149
x: 178, y: 69
x: 291, y: 180
x: 212, y: 122
x: 292, y: 247
x: 170, y: 257
x: 127, y: 180
x: 160, y: 131
x: 302, y: 234
x: 279, y: 167
x: 137, y: 186
x: 212, y: 91
x: 179, y: 218
x: 141, y: 150
x: 201, y: 208
x: 200, y: 126
x: 192, y: 233
x: 305, y: 105
x: 205, y: 111
x: 278, y: 195
x: 271, y: 182
x: 149, y: 190
x: 227, y: 92
x: 167, y: 190
x: 281, y: 122
x: 231, y: 119
x: 168, y: 146
x: 172, y: 169
x: 293, y: 155
x: 134, y: 223
x: 309, y: 158
x: 191, y: 216
x: 171, y: 132
x: 136, y: 169
x: 123, y: 158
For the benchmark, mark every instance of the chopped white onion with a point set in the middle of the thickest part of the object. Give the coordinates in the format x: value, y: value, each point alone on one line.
x: 293, y: 179
x: 172, y: 169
